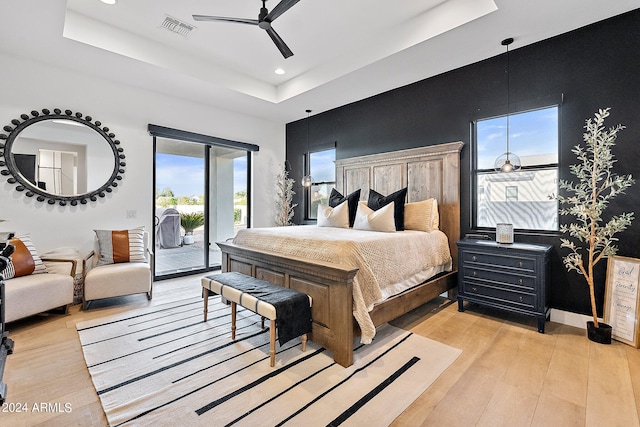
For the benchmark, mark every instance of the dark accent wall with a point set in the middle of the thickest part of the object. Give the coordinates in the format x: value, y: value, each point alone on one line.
x: 594, y: 67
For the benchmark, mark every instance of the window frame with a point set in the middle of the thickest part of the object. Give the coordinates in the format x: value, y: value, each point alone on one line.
x: 308, y: 215
x: 513, y: 109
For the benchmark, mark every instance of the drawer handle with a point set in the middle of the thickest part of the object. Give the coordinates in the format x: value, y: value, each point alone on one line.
x: 474, y: 289
x: 521, y: 281
x: 521, y: 264
x: 474, y: 274
x: 473, y: 258
x: 521, y: 299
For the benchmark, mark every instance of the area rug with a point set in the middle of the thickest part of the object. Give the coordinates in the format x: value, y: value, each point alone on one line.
x: 163, y: 365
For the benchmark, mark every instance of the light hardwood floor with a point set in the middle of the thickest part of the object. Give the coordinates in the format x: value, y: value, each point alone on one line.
x: 507, y: 375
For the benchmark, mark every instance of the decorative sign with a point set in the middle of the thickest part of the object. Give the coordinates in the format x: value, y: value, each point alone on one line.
x: 622, y: 299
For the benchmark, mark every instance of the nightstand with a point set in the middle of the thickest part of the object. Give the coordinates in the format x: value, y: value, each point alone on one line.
x: 512, y: 277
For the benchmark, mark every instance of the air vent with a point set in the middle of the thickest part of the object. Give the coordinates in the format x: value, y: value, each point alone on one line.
x: 177, y: 26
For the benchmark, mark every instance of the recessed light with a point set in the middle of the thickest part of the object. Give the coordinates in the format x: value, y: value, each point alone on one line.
x: 279, y: 71
x: 110, y: 2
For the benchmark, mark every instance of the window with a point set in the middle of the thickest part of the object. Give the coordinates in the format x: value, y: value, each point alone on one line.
x: 511, y: 193
x: 520, y: 198
x: 320, y: 165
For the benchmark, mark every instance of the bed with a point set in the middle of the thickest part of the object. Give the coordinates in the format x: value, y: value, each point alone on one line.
x: 333, y: 277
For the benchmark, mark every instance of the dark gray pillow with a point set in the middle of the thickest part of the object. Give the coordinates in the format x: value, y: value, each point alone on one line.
x: 377, y: 200
x: 335, y: 198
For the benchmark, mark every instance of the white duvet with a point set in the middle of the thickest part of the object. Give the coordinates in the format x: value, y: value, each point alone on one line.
x: 388, y: 263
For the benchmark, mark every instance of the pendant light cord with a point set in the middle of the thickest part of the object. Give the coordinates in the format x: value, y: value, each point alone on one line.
x: 508, y: 162
x: 507, y: 42
x: 307, y: 180
x: 308, y: 113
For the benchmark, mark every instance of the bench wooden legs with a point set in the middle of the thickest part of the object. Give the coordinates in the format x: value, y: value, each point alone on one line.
x: 272, y: 343
x: 233, y: 320
x: 205, y: 295
x: 272, y: 328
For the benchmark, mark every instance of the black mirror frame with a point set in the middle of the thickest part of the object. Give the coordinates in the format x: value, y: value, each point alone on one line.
x: 18, y: 125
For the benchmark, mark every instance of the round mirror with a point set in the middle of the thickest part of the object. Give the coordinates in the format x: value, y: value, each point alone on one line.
x: 61, y: 157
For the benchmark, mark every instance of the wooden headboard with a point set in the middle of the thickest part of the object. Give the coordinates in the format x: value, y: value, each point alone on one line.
x: 432, y: 171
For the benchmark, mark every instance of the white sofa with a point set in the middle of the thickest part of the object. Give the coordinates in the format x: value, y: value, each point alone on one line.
x: 35, y: 293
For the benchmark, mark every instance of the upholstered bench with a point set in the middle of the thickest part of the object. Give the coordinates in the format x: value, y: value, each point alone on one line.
x: 289, y: 311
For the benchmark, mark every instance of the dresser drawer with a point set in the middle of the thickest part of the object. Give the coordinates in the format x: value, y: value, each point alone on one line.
x: 500, y: 295
x: 526, y: 264
x: 512, y: 277
x: 517, y: 281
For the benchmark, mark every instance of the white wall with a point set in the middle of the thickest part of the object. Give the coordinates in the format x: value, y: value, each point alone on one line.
x: 26, y: 85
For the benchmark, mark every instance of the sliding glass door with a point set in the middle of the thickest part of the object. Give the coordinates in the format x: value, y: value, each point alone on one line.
x: 201, y: 197
x: 180, y: 205
x: 228, y: 202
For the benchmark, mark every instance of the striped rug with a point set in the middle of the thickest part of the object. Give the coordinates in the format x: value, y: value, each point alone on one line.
x: 163, y: 365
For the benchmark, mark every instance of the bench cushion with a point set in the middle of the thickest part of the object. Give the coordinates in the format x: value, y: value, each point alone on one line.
x: 243, y: 298
x: 290, y: 309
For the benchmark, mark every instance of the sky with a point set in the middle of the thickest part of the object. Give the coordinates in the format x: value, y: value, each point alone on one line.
x: 185, y: 175
x: 530, y: 133
x: 323, y: 166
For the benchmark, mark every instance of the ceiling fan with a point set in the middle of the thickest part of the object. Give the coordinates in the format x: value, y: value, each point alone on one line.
x: 265, y: 18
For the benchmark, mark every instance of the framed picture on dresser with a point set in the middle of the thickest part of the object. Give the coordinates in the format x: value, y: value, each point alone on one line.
x: 622, y: 299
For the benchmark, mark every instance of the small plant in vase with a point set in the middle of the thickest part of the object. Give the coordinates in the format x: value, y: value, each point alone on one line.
x: 586, y: 200
x: 191, y: 221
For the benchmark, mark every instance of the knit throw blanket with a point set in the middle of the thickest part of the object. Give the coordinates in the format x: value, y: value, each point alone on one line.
x: 388, y: 263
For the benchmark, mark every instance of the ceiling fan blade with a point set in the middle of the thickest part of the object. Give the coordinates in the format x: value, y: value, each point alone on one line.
x: 280, y: 8
x: 225, y: 19
x: 280, y: 44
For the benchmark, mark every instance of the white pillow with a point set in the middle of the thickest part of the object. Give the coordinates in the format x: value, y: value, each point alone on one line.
x: 421, y: 216
x: 380, y: 220
x: 337, y: 217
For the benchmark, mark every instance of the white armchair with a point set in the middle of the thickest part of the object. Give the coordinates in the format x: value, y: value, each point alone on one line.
x: 36, y: 293
x: 117, y: 279
x: 48, y: 285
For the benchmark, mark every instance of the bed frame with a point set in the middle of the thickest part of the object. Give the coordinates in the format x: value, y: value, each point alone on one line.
x: 432, y: 171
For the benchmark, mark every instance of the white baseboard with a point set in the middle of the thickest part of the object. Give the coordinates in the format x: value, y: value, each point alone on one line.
x: 564, y: 317
x: 571, y: 319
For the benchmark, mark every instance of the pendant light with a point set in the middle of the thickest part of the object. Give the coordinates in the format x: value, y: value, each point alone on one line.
x: 508, y: 161
x: 307, y: 180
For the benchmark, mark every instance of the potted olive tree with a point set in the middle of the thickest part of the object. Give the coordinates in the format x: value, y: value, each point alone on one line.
x: 586, y: 199
x: 191, y: 221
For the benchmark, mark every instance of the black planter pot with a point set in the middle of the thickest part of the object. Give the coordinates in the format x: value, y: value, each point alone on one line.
x: 601, y: 334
